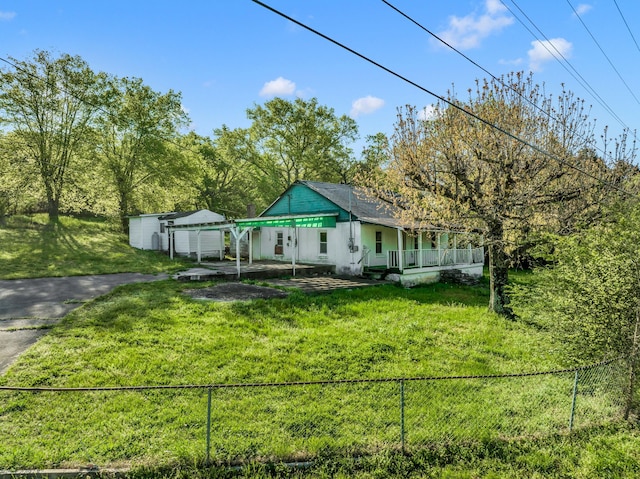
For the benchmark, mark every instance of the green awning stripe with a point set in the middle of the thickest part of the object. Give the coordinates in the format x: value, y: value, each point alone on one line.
x: 302, y: 222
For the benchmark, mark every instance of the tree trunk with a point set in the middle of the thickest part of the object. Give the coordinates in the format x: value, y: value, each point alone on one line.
x: 632, y: 369
x: 53, y: 209
x: 498, y: 273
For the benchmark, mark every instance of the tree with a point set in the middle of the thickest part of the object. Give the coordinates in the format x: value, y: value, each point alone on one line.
x: 453, y: 169
x: 590, y: 296
x: 300, y: 140
x: 49, y: 106
x: 226, y: 181
x: 133, y: 137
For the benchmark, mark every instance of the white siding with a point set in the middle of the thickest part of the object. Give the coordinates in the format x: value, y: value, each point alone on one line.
x: 308, y: 250
x: 141, y: 230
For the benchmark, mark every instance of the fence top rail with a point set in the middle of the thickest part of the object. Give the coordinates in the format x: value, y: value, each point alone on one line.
x: 307, y: 383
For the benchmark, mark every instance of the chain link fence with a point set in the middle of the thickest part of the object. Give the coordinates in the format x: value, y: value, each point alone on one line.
x: 298, y: 421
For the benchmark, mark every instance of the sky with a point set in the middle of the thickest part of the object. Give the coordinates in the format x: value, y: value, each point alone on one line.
x: 226, y: 56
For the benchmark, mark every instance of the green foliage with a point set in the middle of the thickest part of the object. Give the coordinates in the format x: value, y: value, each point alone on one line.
x: 133, y: 136
x: 34, y: 247
x: 301, y: 140
x: 49, y: 105
x: 590, y: 296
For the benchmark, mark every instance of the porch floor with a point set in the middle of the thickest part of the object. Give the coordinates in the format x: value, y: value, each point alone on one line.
x: 227, y: 270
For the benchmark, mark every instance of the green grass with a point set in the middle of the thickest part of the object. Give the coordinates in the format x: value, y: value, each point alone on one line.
x: 32, y: 248
x: 152, y: 334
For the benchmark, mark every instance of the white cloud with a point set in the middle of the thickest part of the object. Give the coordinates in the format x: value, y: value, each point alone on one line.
x: 7, y: 15
x: 366, y: 105
x: 583, y: 8
x: 469, y: 31
x: 545, y: 51
x: 277, y: 87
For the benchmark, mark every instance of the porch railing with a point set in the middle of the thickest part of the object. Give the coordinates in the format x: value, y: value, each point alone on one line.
x: 432, y: 257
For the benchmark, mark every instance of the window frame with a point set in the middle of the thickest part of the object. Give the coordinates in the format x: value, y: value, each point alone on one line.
x: 379, y: 249
x: 324, y: 243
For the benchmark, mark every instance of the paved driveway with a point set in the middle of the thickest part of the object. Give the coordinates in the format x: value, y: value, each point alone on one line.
x: 26, y: 305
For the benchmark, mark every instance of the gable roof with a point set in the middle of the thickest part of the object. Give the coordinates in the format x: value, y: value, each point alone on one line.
x: 350, y: 202
x: 355, y: 200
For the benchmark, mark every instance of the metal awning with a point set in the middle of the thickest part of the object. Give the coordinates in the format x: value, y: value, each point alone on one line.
x: 326, y: 220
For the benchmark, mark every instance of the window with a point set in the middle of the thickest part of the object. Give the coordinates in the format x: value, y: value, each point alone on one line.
x: 378, y: 242
x: 162, y: 229
x: 323, y: 242
x: 279, y: 246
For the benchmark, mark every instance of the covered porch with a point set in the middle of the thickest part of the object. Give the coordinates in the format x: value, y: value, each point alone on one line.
x: 420, y: 256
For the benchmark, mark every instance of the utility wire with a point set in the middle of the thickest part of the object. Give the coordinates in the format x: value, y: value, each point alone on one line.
x: 498, y: 79
x: 627, y: 25
x: 565, y: 63
x: 441, y: 98
x: 603, y: 52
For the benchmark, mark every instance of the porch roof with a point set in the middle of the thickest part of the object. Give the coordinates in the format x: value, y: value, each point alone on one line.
x: 324, y: 220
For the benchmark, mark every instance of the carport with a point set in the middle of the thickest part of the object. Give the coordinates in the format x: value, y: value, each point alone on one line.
x: 240, y: 227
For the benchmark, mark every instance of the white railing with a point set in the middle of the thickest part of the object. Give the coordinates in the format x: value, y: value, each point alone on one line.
x: 432, y: 257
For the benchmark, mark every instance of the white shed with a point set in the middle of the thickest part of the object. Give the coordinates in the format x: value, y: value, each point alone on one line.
x: 144, y: 232
x: 186, y: 240
x: 149, y: 231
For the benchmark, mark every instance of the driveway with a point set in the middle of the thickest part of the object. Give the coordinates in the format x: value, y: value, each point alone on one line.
x: 29, y: 305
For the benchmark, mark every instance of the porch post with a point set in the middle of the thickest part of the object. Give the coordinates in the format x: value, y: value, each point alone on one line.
x: 172, y: 238
x: 439, y: 254
x: 293, y: 252
x: 400, y: 255
x: 250, y: 234
x: 199, y: 245
x: 470, y: 253
x: 455, y: 248
x: 237, y: 235
x: 221, y: 244
x: 420, y: 249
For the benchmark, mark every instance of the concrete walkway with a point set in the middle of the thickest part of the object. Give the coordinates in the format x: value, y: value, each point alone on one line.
x: 29, y: 306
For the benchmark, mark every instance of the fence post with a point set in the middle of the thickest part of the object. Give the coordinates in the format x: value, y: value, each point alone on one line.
x: 573, y: 401
x: 402, y: 415
x: 209, y: 426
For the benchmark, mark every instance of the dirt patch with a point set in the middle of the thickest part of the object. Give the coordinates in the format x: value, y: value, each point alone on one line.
x: 236, y: 292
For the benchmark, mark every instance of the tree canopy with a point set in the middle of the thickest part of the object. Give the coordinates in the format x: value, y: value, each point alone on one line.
x: 49, y: 105
x: 528, y: 166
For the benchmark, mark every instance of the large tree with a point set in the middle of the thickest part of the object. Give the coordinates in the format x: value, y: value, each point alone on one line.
x: 135, y: 135
x: 301, y: 140
x: 454, y: 169
x: 49, y: 105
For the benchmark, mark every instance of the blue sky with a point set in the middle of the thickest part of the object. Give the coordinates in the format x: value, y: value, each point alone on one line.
x: 226, y: 56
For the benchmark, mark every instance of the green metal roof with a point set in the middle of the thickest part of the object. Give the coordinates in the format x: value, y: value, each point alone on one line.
x: 291, y: 221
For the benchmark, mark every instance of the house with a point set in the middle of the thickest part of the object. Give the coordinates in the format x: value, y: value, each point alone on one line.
x: 151, y: 231
x: 337, y: 224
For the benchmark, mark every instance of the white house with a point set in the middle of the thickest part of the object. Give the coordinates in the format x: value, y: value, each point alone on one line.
x: 326, y: 223
x: 151, y: 231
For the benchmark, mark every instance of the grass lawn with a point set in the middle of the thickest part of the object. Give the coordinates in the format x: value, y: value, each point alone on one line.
x: 153, y: 334
x: 33, y: 248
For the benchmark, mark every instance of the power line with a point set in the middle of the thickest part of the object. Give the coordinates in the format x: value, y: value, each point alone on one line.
x: 441, y: 98
x: 565, y: 63
x: 627, y: 25
x: 498, y: 79
x: 603, y: 52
